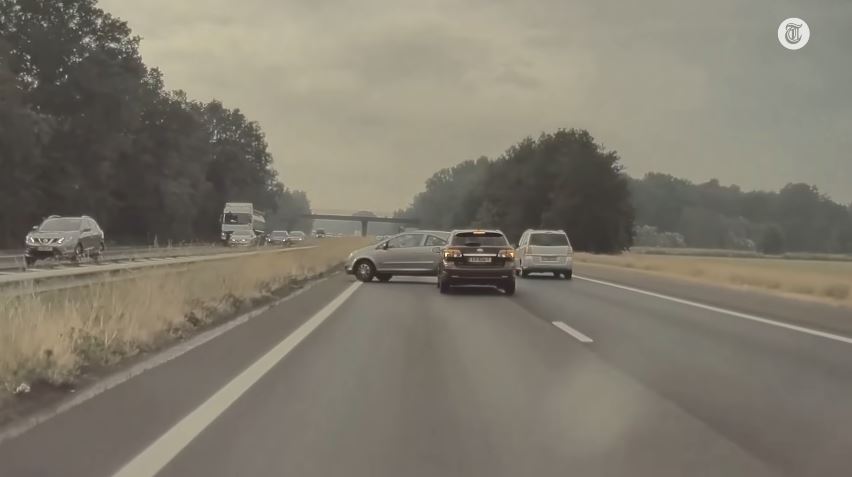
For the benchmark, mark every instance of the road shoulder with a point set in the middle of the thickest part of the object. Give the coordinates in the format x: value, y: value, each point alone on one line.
x: 120, y: 421
x: 819, y: 316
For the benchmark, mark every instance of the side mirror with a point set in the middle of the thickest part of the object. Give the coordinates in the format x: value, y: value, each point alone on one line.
x: 35, y: 227
x: 436, y: 249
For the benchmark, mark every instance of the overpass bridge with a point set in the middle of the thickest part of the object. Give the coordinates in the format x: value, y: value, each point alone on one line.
x: 363, y: 219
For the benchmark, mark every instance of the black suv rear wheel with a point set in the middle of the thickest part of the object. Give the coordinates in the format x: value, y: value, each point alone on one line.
x: 509, y: 287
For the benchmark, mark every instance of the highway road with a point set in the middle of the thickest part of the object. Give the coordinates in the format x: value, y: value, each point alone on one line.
x: 587, y: 377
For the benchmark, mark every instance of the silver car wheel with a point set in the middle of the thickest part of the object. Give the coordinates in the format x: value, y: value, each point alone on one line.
x: 364, y: 271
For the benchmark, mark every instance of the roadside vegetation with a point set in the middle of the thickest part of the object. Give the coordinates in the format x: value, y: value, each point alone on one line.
x: 86, y: 127
x: 50, y: 338
x: 673, y: 212
x: 822, y: 280
x: 562, y: 180
x: 727, y: 252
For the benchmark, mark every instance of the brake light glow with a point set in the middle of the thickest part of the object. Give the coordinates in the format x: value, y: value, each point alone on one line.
x: 507, y: 254
x: 452, y: 253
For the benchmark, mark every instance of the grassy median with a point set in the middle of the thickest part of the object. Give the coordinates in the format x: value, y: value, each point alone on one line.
x: 52, y: 337
x: 822, y: 280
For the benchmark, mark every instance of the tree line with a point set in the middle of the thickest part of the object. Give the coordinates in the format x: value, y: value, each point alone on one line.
x: 565, y: 180
x: 87, y: 128
x: 562, y: 180
x: 797, y: 218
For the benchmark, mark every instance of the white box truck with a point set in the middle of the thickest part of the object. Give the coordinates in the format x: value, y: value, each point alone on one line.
x: 242, y: 216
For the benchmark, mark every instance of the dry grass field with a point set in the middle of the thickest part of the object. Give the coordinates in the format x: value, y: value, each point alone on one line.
x: 828, y: 281
x: 50, y: 337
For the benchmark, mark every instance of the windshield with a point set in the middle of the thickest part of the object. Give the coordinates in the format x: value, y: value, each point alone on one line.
x: 60, y: 225
x: 236, y: 218
x: 694, y: 318
x: 487, y: 239
x: 549, y: 239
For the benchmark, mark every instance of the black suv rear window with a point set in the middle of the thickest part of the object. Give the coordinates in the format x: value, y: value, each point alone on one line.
x: 485, y: 239
x: 549, y: 240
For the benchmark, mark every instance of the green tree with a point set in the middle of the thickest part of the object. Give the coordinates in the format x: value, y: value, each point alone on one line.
x: 561, y: 180
x: 772, y: 242
x: 290, y: 207
x: 711, y: 215
x: 88, y: 128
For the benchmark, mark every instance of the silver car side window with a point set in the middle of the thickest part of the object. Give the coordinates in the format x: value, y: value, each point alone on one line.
x: 405, y: 241
x: 433, y: 241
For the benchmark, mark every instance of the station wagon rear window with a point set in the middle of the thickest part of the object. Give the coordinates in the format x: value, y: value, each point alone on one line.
x: 549, y: 240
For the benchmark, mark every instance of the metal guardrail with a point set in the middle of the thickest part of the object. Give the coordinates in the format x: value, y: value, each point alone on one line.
x: 139, y: 259
x: 36, y: 281
x: 12, y: 263
x: 16, y: 262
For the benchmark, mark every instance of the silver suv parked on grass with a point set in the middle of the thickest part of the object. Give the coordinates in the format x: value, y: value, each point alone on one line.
x: 64, y: 237
x: 415, y: 253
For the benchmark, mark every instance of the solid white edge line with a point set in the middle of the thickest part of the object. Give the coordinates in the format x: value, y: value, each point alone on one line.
x: 113, y: 380
x: 737, y: 314
x: 571, y: 331
x: 159, y: 453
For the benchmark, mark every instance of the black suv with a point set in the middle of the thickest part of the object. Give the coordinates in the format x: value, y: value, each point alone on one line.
x: 477, y: 257
x: 64, y: 237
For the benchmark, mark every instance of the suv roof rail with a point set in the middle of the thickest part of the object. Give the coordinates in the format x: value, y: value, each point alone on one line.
x: 54, y: 216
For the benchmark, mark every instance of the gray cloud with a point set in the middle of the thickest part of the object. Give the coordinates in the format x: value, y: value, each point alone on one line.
x: 362, y: 100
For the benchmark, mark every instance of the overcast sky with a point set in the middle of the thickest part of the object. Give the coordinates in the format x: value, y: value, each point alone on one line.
x: 362, y: 100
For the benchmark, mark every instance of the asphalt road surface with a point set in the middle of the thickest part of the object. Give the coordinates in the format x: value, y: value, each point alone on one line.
x: 397, y: 380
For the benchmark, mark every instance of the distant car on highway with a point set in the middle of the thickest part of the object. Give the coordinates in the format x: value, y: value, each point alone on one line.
x: 279, y: 237
x: 319, y: 233
x: 545, y: 251
x: 477, y: 257
x: 64, y: 237
x: 409, y: 254
x: 243, y: 238
x: 297, y: 236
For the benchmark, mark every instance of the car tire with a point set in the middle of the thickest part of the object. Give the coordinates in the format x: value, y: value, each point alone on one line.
x: 96, y: 255
x: 509, y: 287
x: 557, y: 274
x: 29, y: 261
x: 444, y: 286
x: 568, y: 274
x: 383, y: 277
x: 525, y: 274
x: 365, y: 271
x: 78, y: 253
